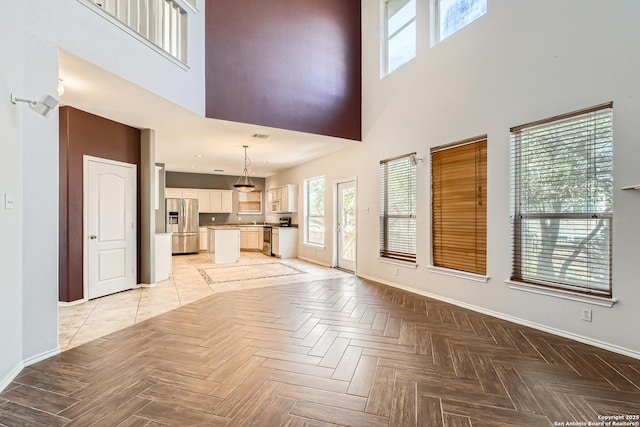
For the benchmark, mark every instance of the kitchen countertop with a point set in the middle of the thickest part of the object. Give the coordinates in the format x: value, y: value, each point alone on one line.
x: 223, y: 227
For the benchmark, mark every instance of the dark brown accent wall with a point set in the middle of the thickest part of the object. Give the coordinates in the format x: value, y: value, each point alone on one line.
x: 286, y: 64
x: 84, y: 133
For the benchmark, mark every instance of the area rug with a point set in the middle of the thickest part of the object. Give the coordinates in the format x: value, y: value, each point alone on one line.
x: 237, y: 273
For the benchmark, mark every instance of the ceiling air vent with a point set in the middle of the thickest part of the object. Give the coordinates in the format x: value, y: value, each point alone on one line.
x: 260, y: 135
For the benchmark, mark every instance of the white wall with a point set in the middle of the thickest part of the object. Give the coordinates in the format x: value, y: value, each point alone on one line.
x: 33, y: 32
x: 11, y: 22
x: 81, y: 31
x: 521, y: 62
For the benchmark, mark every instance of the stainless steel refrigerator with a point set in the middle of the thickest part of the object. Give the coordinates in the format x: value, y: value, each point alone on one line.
x: 182, y: 221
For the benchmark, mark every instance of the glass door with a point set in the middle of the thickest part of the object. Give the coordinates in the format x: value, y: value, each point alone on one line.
x: 346, y: 226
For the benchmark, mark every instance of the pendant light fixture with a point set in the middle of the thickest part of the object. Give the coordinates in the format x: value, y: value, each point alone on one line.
x: 244, y: 183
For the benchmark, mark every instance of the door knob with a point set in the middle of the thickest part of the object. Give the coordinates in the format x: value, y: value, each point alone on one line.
x: 93, y: 237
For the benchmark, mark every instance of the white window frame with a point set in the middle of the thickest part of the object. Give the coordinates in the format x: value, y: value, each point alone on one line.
x: 385, y: 251
x: 307, y: 212
x: 436, y: 35
x: 385, y: 66
x: 521, y: 281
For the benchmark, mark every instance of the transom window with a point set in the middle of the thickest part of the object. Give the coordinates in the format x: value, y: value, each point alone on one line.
x: 398, y: 209
x: 562, y: 201
x: 400, y: 33
x: 314, y: 211
x: 453, y: 15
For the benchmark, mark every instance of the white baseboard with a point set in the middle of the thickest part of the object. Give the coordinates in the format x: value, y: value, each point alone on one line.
x: 39, y: 357
x: 4, y: 382
x: 559, y: 332
x: 72, y: 303
x: 313, y: 261
x: 145, y: 285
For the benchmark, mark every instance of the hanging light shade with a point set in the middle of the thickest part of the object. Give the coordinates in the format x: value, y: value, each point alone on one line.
x: 244, y: 183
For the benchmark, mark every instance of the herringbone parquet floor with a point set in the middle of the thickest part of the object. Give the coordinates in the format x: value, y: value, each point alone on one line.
x: 331, y: 352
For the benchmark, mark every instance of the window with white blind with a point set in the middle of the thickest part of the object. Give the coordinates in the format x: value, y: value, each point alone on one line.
x: 459, y: 206
x: 562, y: 201
x: 400, y: 33
x: 398, y: 209
x: 314, y: 211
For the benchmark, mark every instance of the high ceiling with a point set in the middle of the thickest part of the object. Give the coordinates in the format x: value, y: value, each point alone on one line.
x: 183, y: 136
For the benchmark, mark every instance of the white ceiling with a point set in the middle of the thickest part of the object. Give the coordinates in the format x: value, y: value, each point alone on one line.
x: 182, y: 134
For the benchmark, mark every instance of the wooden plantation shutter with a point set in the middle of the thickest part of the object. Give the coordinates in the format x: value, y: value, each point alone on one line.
x: 459, y: 206
x: 562, y: 201
x: 398, y: 209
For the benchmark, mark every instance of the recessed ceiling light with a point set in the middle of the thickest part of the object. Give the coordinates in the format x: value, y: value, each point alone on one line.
x: 260, y: 135
x: 192, y: 166
x: 199, y: 156
x: 264, y: 162
x: 218, y: 170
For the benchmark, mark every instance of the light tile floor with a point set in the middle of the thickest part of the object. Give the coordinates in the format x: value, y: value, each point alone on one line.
x: 96, y: 318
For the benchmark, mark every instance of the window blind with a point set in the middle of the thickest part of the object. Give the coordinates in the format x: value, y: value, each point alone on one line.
x: 459, y: 206
x: 562, y: 201
x: 398, y: 209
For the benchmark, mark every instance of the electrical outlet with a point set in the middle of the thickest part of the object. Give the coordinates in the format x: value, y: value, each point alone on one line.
x: 397, y: 271
x: 213, y: 219
x: 239, y: 218
x: 586, y: 315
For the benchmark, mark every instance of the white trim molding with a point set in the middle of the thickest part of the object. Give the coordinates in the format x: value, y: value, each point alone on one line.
x: 13, y: 373
x: 560, y: 293
x: 457, y: 273
x: 40, y: 357
x: 313, y: 261
x: 565, y: 334
x: 72, y: 303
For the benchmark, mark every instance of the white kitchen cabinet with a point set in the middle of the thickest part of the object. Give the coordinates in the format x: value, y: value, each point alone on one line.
x: 209, y: 201
x: 189, y: 193
x: 227, y: 201
x: 173, y: 193
x: 250, y: 203
x: 203, y: 239
x: 223, y: 244
x: 284, y: 243
x: 283, y: 199
x: 220, y: 201
x: 251, y: 238
x: 204, y: 200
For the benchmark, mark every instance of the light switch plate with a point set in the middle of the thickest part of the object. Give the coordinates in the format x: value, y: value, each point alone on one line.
x: 8, y: 201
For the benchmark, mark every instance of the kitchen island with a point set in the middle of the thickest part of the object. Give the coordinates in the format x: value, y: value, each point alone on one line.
x: 223, y: 244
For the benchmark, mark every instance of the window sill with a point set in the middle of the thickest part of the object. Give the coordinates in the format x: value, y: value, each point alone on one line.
x: 559, y: 293
x: 398, y: 262
x: 457, y: 273
x: 314, y: 245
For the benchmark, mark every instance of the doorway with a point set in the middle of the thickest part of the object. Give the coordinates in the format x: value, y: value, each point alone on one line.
x: 109, y: 190
x: 346, y: 225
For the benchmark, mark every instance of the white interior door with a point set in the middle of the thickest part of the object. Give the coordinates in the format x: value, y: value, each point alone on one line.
x: 346, y: 225
x: 110, y: 216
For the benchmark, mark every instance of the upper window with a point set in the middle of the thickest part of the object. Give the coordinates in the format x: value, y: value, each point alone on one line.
x: 314, y: 211
x: 562, y: 195
x: 400, y: 33
x: 459, y: 206
x: 453, y: 15
x: 398, y: 208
